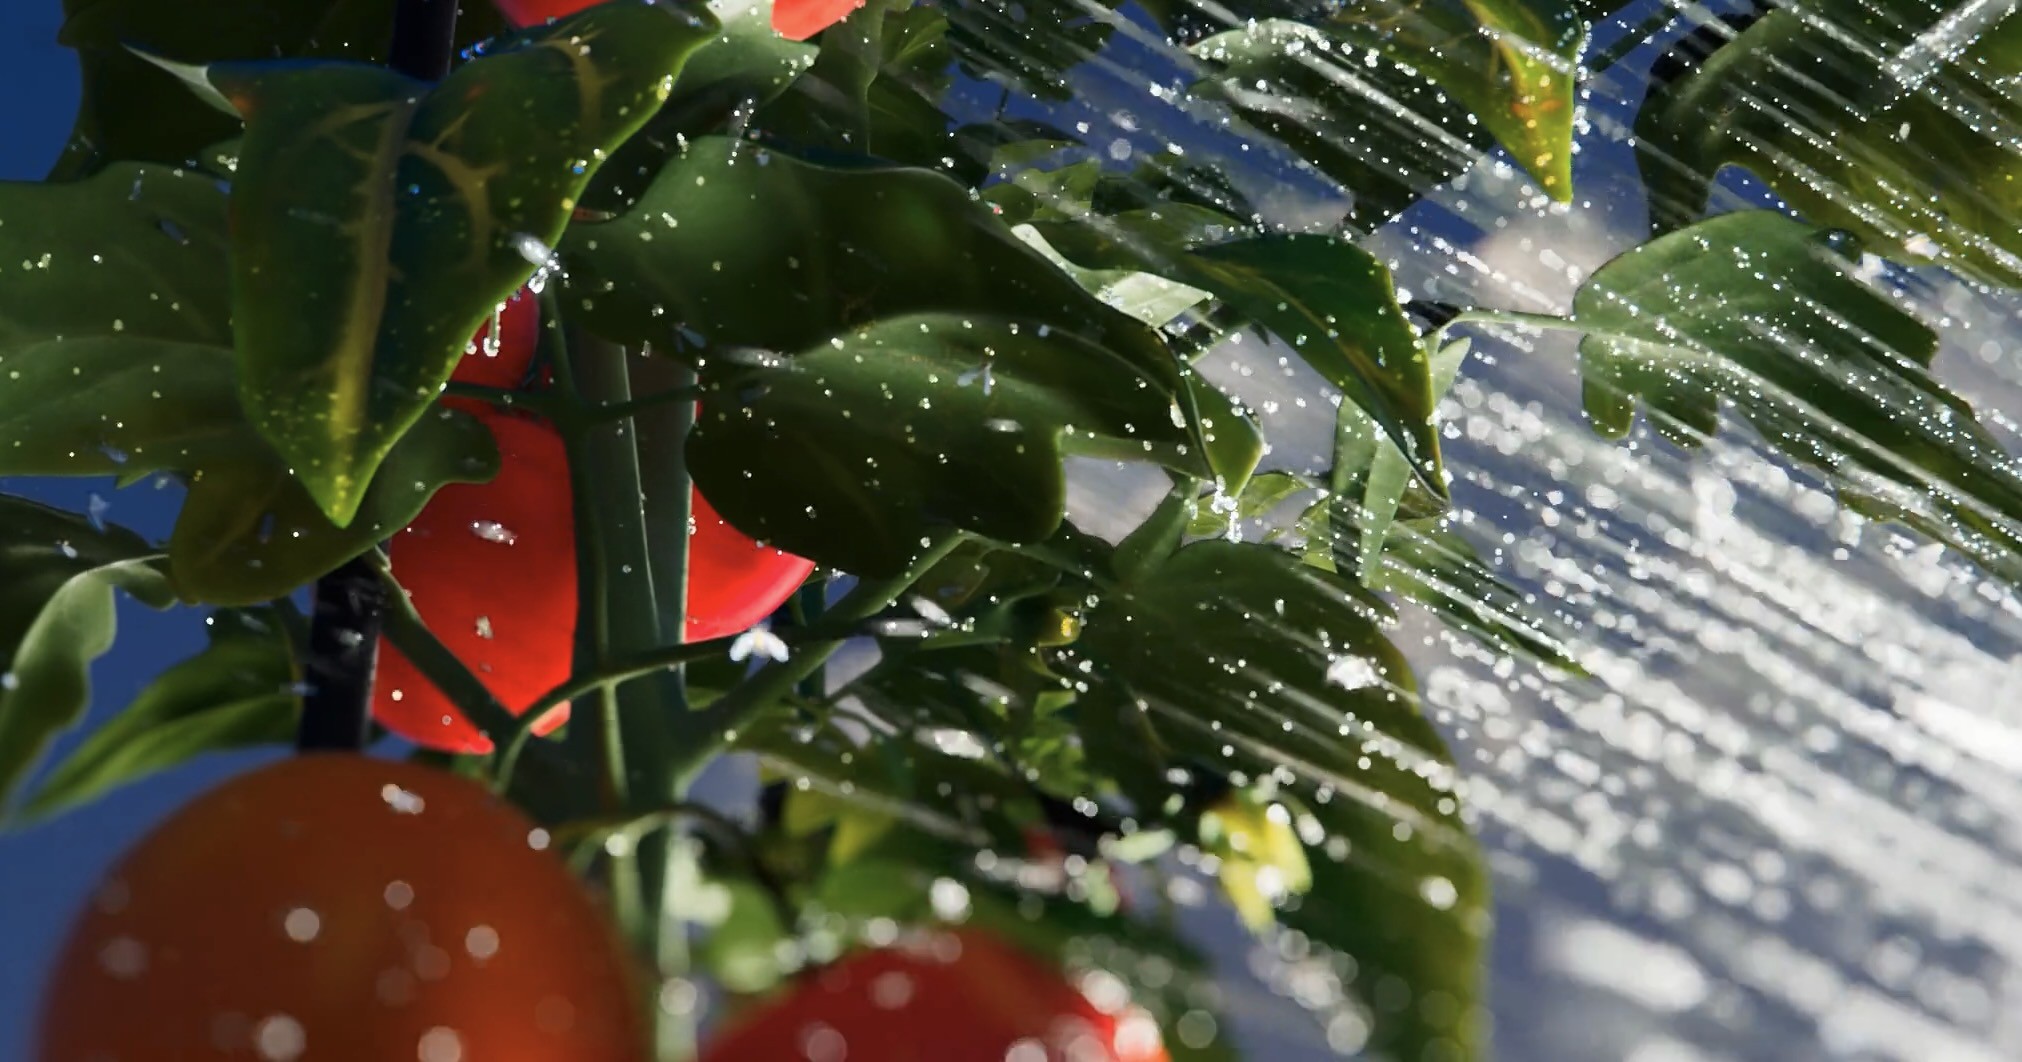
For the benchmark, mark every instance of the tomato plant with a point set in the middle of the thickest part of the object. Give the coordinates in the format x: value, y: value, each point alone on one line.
x: 795, y: 349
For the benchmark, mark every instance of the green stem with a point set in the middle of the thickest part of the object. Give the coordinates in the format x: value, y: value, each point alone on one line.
x: 683, y: 396
x: 722, y: 827
x: 405, y: 629
x: 1508, y: 318
x: 625, y: 669
x: 659, y: 423
x: 714, y: 726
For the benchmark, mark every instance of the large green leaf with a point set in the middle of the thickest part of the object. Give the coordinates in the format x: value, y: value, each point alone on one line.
x: 121, y: 364
x: 1389, y: 118
x: 1329, y: 299
x: 248, y: 531
x: 1237, y: 660
x: 57, y: 576
x: 739, y: 246
x: 137, y: 251
x: 239, y: 692
x: 1766, y: 313
x: 131, y: 109
x: 1858, y: 121
x: 853, y: 451
x: 376, y: 221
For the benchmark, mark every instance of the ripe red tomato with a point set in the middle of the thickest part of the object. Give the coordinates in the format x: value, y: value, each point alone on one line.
x: 491, y: 567
x: 960, y: 996
x: 796, y: 20
x: 340, y: 907
x: 503, y: 363
x: 733, y: 582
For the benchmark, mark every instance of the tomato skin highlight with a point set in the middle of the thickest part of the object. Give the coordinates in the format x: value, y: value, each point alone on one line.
x: 796, y: 20
x: 345, y: 908
x: 957, y: 996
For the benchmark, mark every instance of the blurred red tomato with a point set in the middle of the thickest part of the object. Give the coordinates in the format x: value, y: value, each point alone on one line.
x: 340, y: 907
x: 796, y: 20
x: 961, y: 996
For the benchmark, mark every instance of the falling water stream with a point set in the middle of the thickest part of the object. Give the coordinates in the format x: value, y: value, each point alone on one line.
x: 1781, y: 819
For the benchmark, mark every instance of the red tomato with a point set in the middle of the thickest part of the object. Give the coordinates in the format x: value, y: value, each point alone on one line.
x: 503, y: 363
x: 961, y: 996
x: 733, y: 582
x: 491, y: 568
x: 796, y: 20
x: 340, y: 907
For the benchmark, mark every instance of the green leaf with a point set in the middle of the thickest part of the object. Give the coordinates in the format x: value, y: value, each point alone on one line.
x: 135, y: 252
x: 57, y: 577
x: 739, y: 246
x: 1334, y: 304
x: 376, y: 221
x: 130, y: 405
x: 1241, y: 662
x: 1829, y: 370
x: 131, y: 110
x: 1511, y: 63
x: 1797, y: 99
x: 238, y: 693
x: 1440, y: 569
x: 1371, y: 485
x: 1028, y: 46
x: 1299, y: 86
x: 1265, y: 492
x: 744, y: 67
x: 1152, y: 543
x: 249, y: 531
x: 853, y: 452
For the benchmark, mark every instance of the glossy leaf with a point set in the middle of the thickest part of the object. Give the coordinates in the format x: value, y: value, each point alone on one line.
x: 722, y: 85
x: 1511, y: 63
x: 1386, y: 144
x: 247, y: 531
x: 58, y: 573
x: 1439, y: 569
x: 237, y: 693
x: 1828, y: 369
x: 737, y: 246
x: 135, y: 252
x: 1334, y: 304
x: 1224, y: 513
x: 1371, y: 485
x: 1905, y: 152
x: 852, y: 452
x: 1242, y: 661
x: 377, y: 221
x: 131, y: 110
